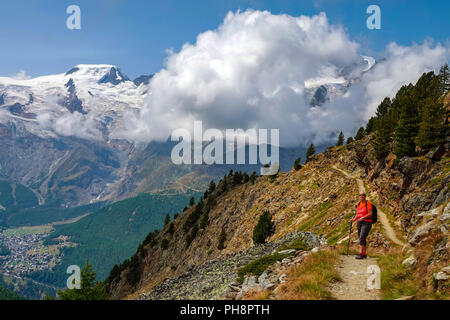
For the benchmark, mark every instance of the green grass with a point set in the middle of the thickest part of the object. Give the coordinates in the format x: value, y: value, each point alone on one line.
x: 315, y: 217
x: 258, y: 266
x: 48, y: 214
x: 309, y: 280
x: 397, y: 280
x: 315, y: 185
x: 27, y: 230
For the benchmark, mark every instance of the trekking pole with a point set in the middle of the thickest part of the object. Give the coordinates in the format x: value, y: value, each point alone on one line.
x: 349, y: 234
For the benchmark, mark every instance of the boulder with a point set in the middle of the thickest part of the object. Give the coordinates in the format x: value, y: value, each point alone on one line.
x: 430, y: 213
x: 410, y: 261
x: 287, y: 251
x: 265, y: 281
x: 378, y: 168
x: 436, y: 154
x: 441, y: 276
x: 250, y: 283
x: 411, y: 167
x: 421, y: 233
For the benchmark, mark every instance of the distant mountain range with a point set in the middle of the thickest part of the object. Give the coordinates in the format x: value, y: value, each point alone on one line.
x: 60, y: 137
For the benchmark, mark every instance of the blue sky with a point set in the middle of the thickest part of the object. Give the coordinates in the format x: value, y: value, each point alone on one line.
x: 135, y: 34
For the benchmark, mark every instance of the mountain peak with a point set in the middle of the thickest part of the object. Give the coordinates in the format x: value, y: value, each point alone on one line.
x: 114, y: 76
x: 103, y: 73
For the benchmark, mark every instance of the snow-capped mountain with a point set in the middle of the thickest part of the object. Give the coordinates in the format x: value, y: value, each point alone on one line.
x: 328, y: 86
x: 100, y: 92
x: 61, y: 135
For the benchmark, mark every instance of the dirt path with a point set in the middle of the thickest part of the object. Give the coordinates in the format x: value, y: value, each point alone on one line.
x: 390, y: 233
x: 354, y: 280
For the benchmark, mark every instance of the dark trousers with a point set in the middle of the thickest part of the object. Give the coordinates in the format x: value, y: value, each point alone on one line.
x: 363, y: 231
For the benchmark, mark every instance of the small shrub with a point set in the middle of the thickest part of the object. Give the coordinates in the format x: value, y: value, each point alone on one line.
x: 222, y: 239
x: 258, y: 266
x: 164, y: 244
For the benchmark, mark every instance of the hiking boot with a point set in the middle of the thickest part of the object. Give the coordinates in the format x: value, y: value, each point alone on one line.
x: 360, y: 256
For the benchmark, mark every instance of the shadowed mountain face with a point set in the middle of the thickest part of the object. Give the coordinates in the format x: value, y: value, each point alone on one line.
x: 114, y: 77
x: 69, y: 171
x: 72, y: 103
x: 143, y: 79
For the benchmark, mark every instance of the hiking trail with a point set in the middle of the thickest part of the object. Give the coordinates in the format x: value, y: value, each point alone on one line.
x: 354, y: 273
x: 354, y: 280
x: 390, y: 233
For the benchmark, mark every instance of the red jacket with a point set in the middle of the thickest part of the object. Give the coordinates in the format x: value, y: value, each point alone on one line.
x: 363, y: 210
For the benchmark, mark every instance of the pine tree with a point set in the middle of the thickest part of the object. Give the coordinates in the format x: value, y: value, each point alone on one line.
x: 89, y: 289
x: 349, y: 140
x: 204, y: 221
x: 164, y: 244
x: 191, y: 236
x: 167, y: 220
x: 407, y: 128
x: 212, y: 186
x: 360, y: 134
x: 340, y: 140
x: 298, y: 164
x: 432, y: 127
x: 371, y: 125
x: 191, y: 202
x: 224, y: 185
x: 444, y: 75
x: 383, y: 137
x: 383, y: 107
x: 264, y: 228
x: 171, y: 229
x: 310, y: 152
x: 253, y: 177
x: 237, y: 178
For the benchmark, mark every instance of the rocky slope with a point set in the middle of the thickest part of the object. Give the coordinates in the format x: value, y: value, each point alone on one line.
x: 217, y: 278
x: 318, y: 198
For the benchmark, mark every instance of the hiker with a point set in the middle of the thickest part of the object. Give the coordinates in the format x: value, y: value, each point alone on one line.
x: 363, y: 216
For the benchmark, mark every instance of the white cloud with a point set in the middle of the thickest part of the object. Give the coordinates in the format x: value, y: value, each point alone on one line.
x: 401, y: 66
x: 21, y: 75
x: 254, y: 70
x: 85, y: 126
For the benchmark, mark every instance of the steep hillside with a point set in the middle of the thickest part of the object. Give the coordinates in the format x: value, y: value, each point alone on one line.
x: 110, y: 234
x: 319, y: 198
x: 401, y: 159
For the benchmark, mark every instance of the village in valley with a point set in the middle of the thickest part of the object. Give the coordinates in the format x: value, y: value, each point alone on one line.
x: 22, y: 250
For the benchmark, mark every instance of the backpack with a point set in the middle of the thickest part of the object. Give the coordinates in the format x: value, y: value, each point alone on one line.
x: 374, y: 216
